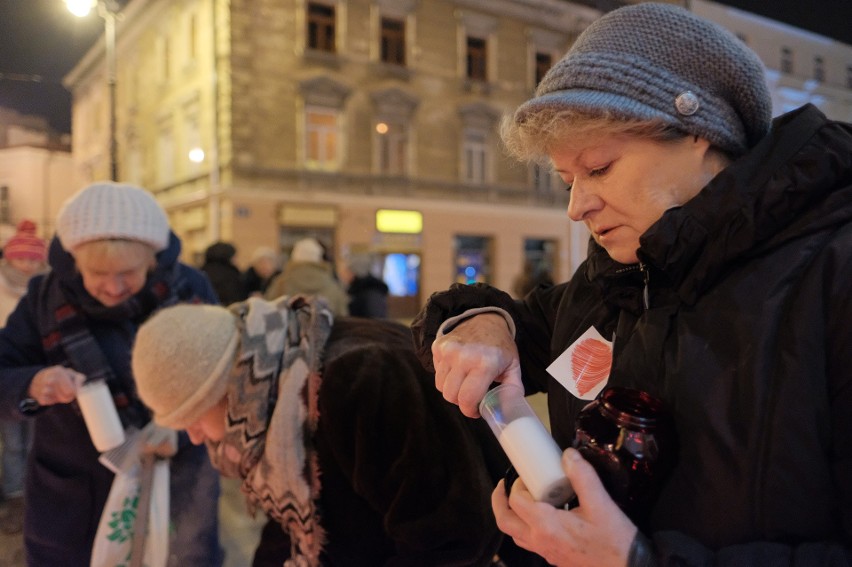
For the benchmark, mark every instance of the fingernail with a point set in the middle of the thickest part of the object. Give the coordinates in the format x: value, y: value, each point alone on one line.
x: 572, y: 455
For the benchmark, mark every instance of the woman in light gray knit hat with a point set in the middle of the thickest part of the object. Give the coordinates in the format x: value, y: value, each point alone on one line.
x: 335, y: 431
x: 718, y: 281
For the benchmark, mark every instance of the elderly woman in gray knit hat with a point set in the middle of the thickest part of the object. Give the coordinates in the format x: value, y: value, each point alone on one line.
x: 718, y: 281
x: 114, y: 262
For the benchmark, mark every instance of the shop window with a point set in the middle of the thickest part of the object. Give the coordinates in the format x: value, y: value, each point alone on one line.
x: 473, y: 259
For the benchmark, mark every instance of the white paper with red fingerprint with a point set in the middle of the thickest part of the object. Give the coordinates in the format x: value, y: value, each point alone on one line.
x: 584, y: 366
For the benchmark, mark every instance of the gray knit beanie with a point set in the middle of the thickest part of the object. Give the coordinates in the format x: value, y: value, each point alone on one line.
x: 182, y: 358
x: 107, y: 210
x: 660, y: 62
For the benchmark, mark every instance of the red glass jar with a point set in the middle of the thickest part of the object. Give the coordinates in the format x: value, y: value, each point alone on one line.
x: 629, y: 437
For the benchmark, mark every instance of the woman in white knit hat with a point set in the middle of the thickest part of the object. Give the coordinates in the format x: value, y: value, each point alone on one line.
x: 336, y: 431
x: 718, y: 281
x: 114, y: 261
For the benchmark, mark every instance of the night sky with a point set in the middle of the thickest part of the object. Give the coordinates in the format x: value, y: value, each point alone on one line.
x: 40, y: 41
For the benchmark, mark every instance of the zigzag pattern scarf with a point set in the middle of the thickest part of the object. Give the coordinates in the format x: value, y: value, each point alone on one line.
x: 272, y: 417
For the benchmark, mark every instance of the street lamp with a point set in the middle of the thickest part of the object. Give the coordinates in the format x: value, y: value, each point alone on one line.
x: 108, y: 10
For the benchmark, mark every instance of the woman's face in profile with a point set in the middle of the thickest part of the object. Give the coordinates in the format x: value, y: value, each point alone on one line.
x: 621, y: 185
x: 112, y: 274
x: 211, y: 425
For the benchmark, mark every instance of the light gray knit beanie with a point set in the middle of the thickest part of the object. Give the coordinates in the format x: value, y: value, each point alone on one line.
x: 659, y: 61
x: 182, y: 358
x: 108, y: 210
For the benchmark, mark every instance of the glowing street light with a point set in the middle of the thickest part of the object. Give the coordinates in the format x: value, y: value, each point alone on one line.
x: 80, y: 8
x: 108, y: 10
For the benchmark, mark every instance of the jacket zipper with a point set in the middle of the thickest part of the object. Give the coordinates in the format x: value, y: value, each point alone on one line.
x: 646, y: 278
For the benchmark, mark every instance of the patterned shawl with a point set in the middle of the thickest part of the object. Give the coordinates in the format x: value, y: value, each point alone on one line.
x: 272, y: 417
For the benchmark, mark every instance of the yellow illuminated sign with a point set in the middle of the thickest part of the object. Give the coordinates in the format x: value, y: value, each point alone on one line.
x: 405, y: 222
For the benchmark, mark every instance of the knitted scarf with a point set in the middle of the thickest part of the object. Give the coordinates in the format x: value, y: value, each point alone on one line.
x: 66, y: 311
x: 272, y: 417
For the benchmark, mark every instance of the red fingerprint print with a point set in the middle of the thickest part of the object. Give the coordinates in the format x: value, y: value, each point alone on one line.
x: 590, y: 361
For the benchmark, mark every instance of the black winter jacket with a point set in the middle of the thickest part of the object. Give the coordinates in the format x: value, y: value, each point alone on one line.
x: 746, y: 336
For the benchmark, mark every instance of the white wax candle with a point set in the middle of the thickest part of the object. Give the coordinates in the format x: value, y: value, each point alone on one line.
x: 537, y: 458
x: 100, y: 415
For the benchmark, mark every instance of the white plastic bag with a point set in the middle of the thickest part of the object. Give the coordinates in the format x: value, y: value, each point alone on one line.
x: 117, y: 527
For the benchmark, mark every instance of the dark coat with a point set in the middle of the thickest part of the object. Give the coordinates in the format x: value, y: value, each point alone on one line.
x: 66, y: 486
x: 406, y: 478
x: 253, y: 283
x: 746, y: 337
x: 226, y: 278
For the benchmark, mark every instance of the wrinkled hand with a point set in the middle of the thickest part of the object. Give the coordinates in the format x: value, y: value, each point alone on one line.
x: 159, y: 441
x: 477, y: 352
x: 55, y: 385
x: 595, y: 534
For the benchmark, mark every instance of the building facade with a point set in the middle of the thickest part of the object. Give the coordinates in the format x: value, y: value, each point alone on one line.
x: 801, y: 67
x: 370, y: 124
x: 37, y: 173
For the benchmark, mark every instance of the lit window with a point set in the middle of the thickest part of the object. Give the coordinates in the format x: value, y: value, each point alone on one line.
x: 321, y: 133
x: 391, y: 148
x: 472, y: 259
x: 321, y: 27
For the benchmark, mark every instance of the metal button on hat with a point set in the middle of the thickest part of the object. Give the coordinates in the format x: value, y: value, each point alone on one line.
x: 687, y: 103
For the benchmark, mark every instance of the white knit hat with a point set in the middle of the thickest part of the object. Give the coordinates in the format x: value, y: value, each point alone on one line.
x: 307, y: 250
x: 106, y: 211
x: 181, y: 361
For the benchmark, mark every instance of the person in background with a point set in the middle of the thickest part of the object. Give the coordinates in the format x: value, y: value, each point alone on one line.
x: 24, y: 256
x: 225, y: 276
x: 264, y: 266
x: 530, y: 278
x: 718, y: 280
x: 334, y: 428
x: 308, y: 273
x: 368, y: 295
x: 114, y: 262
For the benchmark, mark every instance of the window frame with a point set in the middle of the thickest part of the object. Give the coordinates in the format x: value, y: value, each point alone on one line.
x: 321, y: 28
x: 324, y: 133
